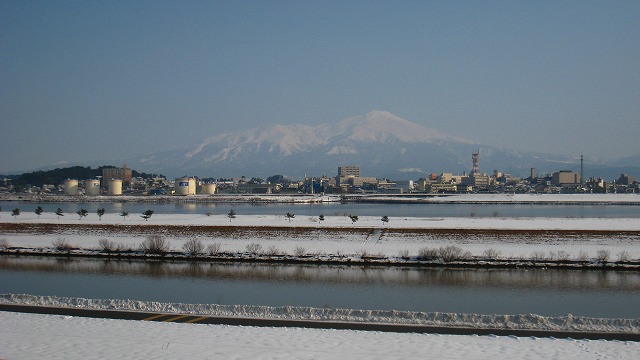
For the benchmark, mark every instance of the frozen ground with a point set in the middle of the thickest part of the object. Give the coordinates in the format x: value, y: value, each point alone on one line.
x: 370, y: 235
x: 48, y: 336
x: 32, y: 336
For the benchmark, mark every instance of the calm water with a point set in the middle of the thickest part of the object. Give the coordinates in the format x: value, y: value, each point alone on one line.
x: 546, y: 292
x: 417, y: 210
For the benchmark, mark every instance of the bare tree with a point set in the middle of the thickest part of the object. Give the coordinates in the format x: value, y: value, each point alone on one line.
x: 147, y: 214
x: 82, y: 213
x: 289, y: 216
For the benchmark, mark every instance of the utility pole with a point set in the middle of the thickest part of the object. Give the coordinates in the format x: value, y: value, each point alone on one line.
x: 581, y: 169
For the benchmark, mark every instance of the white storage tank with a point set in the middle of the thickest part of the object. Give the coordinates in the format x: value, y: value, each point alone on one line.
x: 92, y: 187
x: 115, y: 187
x: 185, y: 186
x: 71, y: 187
x: 209, y: 189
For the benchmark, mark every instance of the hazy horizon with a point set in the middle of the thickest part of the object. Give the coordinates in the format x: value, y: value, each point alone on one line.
x: 88, y: 81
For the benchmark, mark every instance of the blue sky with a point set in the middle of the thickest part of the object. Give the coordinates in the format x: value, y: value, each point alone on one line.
x: 88, y: 80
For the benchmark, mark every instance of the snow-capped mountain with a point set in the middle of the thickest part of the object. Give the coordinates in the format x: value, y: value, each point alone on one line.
x: 382, y: 144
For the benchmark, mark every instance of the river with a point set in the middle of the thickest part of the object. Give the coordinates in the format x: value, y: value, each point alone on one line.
x: 595, y: 293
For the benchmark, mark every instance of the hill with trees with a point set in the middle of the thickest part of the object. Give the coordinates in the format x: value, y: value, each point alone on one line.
x: 59, y: 175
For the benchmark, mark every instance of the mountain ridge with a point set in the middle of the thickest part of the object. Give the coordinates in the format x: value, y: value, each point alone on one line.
x: 381, y: 143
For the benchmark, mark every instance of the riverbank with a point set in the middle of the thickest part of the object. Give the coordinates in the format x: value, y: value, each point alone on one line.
x: 484, y: 242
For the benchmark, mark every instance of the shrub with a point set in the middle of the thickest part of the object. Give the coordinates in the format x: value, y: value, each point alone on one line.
x: 107, y: 245
x: 404, y: 254
x: 213, y: 249
x: 272, y: 251
x: 538, y: 256
x: 254, y: 248
x: 582, y: 255
x: 491, y: 253
x: 61, y: 244
x: 427, y: 253
x: 4, y: 244
x: 299, y: 251
x: 193, y: 247
x: 450, y: 253
x: 623, y: 256
x: 563, y: 256
x: 155, y: 244
x: 603, y: 255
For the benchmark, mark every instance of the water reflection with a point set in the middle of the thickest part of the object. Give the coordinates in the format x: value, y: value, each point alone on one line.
x: 418, y: 210
x: 333, y: 274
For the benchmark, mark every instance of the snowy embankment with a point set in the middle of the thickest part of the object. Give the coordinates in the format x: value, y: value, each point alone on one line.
x: 579, y: 239
x: 566, y: 323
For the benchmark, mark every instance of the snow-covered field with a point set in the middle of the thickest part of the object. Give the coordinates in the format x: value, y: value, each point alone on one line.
x: 374, y: 237
x: 65, y: 337
x: 33, y: 336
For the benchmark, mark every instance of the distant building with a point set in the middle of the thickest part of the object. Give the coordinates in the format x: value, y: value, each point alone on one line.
x: 565, y: 177
x: 123, y: 174
x: 477, y: 181
x: 625, y: 179
x: 349, y: 171
x: 405, y: 185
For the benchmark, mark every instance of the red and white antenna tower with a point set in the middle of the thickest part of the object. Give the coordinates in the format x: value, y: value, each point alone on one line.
x: 475, y: 157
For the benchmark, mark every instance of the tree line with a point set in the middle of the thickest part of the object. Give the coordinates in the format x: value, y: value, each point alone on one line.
x: 59, y: 175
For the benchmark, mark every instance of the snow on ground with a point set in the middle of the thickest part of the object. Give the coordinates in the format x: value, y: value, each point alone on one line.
x: 381, y: 240
x: 34, y: 336
x: 64, y: 337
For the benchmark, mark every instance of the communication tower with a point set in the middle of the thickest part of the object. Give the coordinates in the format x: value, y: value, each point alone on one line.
x: 581, y: 169
x: 475, y: 157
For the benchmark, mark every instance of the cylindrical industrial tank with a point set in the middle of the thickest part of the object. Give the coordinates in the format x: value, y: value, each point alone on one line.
x: 71, y: 187
x: 92, y: 187
x: 115, y: 187
x: 208, y: 189
x: 185, y: 186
